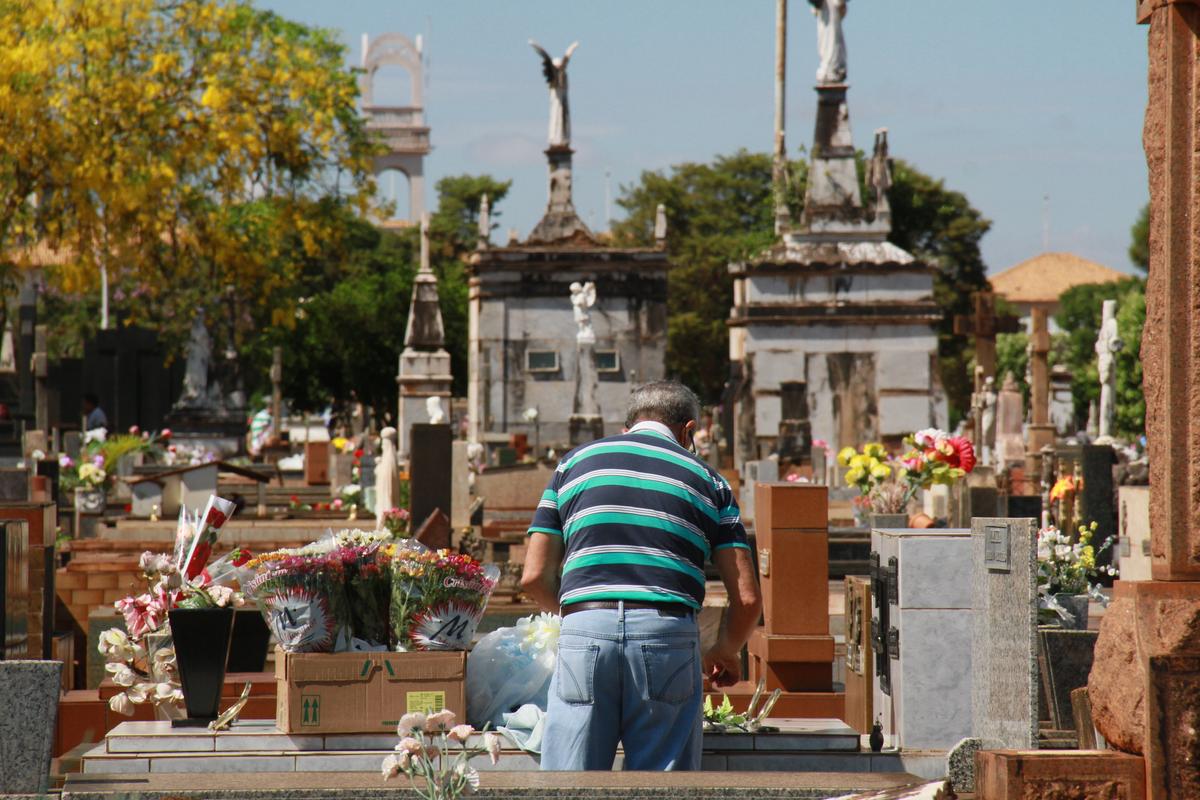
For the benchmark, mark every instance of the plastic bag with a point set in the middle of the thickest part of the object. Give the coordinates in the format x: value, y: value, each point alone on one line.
x: 511, y: 667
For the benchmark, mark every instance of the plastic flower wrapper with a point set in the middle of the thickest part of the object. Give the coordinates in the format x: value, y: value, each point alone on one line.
x: 511, y: 667
x: 303, y: 599
x: 204, y: 533
x: 368, y: 590
x: 438, y: 598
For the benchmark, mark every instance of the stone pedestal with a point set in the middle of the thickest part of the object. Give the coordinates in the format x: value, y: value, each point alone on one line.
x: 793, y: 651
x: 422, y: 375
x: 28, y: 712
x: 1057, y: 775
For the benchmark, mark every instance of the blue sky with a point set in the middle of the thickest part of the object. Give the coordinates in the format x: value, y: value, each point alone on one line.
x: 1008, y: 101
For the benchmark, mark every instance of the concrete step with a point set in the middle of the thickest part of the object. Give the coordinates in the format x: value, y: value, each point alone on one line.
x: 258, y: 746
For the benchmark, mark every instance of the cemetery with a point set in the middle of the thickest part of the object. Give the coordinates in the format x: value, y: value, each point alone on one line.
x: 277, y: 452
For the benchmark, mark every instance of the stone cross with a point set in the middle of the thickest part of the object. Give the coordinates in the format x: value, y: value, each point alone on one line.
x: 984, y: 325
x: 1108, y: 344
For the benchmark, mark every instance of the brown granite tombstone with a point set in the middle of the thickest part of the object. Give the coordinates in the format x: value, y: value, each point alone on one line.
x: 1145, y: 682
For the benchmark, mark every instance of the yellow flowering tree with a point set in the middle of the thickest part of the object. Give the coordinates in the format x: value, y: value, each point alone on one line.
x: 179, y: 146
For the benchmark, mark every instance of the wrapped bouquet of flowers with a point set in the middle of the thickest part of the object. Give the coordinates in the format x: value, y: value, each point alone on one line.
x: 197, y: 533
x: 302, y: 596
x: 438, y: 597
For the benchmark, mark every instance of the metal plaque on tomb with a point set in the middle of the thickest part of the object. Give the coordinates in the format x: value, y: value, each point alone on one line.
x: 893, y: 581
x: 996, y: 548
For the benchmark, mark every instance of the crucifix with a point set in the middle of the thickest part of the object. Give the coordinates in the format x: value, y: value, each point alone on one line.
x: 984, y: 324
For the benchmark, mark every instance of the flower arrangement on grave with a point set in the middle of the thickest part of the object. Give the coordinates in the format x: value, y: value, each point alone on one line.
x: 887, y: 484
x: 1069, y: 567
x: 141, y: 659
x: 1063, y: 488
x: 435, y: 754
x: 96, y: 466
x: 438, y: 597
x: 395, y: 521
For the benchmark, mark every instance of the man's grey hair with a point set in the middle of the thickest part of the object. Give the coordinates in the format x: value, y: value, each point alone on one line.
x: 668, y: 402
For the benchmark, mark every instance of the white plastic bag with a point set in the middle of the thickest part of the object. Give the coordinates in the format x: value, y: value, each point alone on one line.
x: 511, y: 667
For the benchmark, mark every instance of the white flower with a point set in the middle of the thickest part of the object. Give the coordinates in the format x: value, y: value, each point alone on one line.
x: 115, y: 645
x: 121, y: 704
x: 928, y: 437
x: 391, y: 767
x: 470, y: 774
x: 139, y: 692
x: 95, y: 435
x: 531, y: 414
x: 491, y: 743
x: 164, y: 691
x: 539, y: 637
x: 122, y: 674
x: 38, y: 455
x: 221, y: 595
x: 410, y: 722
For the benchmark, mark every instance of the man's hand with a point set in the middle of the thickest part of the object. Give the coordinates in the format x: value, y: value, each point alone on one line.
x: 543, y: 564
x: 722, y: 668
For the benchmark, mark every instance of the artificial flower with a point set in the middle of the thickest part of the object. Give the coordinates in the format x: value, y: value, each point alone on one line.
x: 491, y: 743
x: 410, y: 723
x: 439, y: 721
x: 460, y: 733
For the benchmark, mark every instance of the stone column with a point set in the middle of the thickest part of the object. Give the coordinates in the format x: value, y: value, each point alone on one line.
x: 1147, y: 667
x: 1040, y: 432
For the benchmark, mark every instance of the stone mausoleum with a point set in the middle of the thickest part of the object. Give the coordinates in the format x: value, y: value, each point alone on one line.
x: 524, y: 339
x: 832, y: 331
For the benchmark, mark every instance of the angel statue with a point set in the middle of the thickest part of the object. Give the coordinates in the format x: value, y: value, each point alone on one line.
x: 831, y: 45
x: 555, y: 70
x: 583, y: 297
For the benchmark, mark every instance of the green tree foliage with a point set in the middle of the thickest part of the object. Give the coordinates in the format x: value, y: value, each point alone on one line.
x: 940, y: 227
x: 1079, y: 316
x: 723, y: 211
x: 1139, y: 244
x: 344, y: 342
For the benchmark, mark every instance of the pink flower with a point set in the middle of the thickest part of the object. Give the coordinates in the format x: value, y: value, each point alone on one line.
x: 491, y: 743
x: 460, y: 733
x: 98, y: 460
x: 392, y: 766
x: 410, y: 747
x: 134, y: 430
x: 410, y: 723
x: 439, y: 721
x: 166, y: 433
x: 820, y: 443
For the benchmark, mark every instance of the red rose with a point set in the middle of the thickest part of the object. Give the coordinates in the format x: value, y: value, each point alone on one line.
x: 240, y: 557
x: 358, y: 453
x: 216, y: 518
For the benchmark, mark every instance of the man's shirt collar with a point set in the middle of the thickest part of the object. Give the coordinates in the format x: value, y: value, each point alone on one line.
x: 650, y: 426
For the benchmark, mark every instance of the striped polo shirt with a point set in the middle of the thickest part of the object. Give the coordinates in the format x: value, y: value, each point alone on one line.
x: 639, y: 516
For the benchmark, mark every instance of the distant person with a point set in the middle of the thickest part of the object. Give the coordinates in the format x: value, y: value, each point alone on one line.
x: 93, y: 415
x: 618, y: 546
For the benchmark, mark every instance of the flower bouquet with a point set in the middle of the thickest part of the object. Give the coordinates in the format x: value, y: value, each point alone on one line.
x: 141, y: 658
x: 424, y: 754
x: 887, y: 484
x: 302, y: 596
x: 197, y: 533
x: 1067, y: 569
x: 438, y: 597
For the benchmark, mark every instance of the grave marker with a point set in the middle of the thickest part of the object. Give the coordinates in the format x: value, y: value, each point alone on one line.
x: 1004, y: 667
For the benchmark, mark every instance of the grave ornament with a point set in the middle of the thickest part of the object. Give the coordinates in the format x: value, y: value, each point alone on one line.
x: 1108, y: 344
x: 555, y: 70
x: 831, y: 44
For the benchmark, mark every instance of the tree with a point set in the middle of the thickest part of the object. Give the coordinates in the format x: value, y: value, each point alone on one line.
x: 193, y: 143
x: 1139, y: 235
x: 1079, y: 316
x: 345, y: 341
x: 721, y: 212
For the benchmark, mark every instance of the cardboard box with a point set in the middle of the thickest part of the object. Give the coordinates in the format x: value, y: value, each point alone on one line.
x: 365, y: 692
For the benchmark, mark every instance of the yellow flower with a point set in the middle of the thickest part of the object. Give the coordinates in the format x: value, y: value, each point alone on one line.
x: 874, y: 450
x: 855, y: 475
x: 880, y: 471
x: 844, y: 455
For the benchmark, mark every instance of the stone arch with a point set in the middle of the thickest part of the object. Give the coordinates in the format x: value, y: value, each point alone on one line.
x: 392, y: 49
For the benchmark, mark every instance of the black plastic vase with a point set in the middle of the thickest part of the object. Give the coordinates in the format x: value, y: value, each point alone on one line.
x: 201, y: 638
x: 251, y: 639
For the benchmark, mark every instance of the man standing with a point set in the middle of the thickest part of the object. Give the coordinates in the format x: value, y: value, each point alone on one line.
x: 93, y: 415
x: 619, y: 543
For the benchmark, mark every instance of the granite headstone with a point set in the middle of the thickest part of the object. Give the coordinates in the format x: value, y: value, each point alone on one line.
x: 14, y: 485
x: 429, y: 469
x: 1004, y: 685
x: 28, y: 713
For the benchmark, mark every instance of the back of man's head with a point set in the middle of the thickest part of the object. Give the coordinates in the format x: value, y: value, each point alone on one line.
x: 668, y: 402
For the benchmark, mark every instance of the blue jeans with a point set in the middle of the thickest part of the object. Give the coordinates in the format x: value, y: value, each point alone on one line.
x: 629, y: 676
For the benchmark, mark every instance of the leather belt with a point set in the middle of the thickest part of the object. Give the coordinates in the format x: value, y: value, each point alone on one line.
x: 664, y: 609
